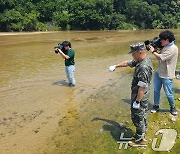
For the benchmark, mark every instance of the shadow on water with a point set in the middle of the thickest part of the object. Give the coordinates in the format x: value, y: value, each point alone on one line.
x: 164, y: 110
x: 61, y: 83
x: 128, y: 101
x: 177, y: 91
x: 115, y: 128
x: 150, y: 106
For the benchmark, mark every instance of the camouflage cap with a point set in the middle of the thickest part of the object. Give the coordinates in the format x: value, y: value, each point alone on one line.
x: 137, y: 47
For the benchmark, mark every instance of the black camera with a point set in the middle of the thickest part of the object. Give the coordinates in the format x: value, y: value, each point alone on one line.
x: 156, y: 43
x: 59, y: 46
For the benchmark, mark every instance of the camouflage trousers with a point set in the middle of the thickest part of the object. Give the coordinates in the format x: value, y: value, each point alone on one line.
x: 140, y: 121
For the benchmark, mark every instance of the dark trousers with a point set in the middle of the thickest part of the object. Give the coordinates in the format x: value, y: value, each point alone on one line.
x: 140, y: 121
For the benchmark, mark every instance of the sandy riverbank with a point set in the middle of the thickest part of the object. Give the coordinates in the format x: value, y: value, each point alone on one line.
x: 24, y: 33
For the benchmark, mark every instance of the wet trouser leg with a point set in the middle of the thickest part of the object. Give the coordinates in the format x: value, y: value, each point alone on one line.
x: 67, y: 74
x: 70, y: 74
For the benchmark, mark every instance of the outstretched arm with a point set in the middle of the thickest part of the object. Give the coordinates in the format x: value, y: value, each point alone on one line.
x: 122, y: 64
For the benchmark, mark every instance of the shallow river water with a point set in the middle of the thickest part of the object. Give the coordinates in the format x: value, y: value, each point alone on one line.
x: 39, y: 113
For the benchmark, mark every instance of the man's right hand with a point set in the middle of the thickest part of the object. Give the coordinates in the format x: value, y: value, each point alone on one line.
x: 112, y: 68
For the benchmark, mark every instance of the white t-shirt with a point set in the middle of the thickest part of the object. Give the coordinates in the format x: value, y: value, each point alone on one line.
x: 168, y: 61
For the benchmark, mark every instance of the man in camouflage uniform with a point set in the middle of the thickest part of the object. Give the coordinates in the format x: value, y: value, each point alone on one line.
x: 140, y: 90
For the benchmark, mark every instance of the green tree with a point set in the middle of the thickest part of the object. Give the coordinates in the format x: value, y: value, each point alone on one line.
x: 169, y: 21
x: 62, y: 19
x: 31, y: 15
x: 142, y: 14
x: 46, y: 8
x: 11, y: 20
x: 6, y: 4
x: 30, y: 21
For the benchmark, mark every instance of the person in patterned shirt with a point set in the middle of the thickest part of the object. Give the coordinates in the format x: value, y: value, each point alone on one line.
x: 140, y: 90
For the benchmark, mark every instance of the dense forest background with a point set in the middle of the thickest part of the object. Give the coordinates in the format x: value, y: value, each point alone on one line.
x: 42, y: 15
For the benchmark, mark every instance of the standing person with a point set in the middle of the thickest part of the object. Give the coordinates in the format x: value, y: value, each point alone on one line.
x: 140, y: 90
x: 166, y: 70
x: 68, y: 54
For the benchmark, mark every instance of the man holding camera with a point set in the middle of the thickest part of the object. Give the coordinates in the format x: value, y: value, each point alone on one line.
x: 140, y: 89
x: 165, y: 73
x: 68, y: 54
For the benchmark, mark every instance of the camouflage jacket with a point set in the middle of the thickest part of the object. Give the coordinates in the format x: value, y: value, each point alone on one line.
x: 141, y: 78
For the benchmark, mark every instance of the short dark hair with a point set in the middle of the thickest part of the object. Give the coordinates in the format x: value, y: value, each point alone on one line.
x: 66, y: 43
x: 167, y: 35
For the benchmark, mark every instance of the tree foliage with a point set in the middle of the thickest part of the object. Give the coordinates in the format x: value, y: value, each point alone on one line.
x: 36, y: 15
